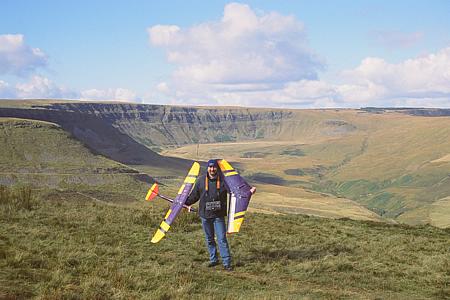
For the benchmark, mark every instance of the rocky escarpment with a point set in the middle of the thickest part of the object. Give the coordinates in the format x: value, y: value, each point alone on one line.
x: 160, y: 125
x: 98, y: 135
x: 157, y: 125
x: 129, y: 132
x: 423, y: 112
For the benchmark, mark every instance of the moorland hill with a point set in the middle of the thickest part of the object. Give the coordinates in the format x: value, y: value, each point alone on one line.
x: 394, y: 162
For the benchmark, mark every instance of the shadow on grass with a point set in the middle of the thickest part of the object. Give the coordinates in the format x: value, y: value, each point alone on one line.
x: 267, y: 178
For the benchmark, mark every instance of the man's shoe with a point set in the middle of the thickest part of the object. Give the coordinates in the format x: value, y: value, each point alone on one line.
x: 213, y: 264
x: 228, y: 268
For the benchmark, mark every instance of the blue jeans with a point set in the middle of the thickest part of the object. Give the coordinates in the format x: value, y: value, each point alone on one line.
x: 216, y: 226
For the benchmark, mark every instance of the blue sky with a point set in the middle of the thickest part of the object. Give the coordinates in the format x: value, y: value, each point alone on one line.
x: 299, y: 54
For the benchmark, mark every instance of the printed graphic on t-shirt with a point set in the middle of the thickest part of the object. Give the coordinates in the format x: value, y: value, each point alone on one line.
x: 213, y: 206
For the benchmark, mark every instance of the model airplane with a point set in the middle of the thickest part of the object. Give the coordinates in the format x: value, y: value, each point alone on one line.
x: 240, y: 194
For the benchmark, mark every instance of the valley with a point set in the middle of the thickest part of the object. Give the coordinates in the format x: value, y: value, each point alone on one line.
x: 348, y: 203
x: 378, y: 164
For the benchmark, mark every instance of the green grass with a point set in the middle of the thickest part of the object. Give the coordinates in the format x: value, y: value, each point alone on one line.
x: 224, y: 138
x: 17, y: 198
x: 261, y: 177
x: 254, y: 154
x: 41, y: 147
x: 295, y: 172
x: 292, y: 152
x: 394, y: 164
x: 42, y: 154
x: 67, y: 247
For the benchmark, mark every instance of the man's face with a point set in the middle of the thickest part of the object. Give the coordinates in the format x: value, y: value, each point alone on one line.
x: 212, y: 171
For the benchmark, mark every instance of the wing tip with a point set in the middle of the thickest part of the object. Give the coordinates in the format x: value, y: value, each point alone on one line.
x: 195, y: 169
x: 158, y: 236
x: 224, y: 165
x: 235, y: 226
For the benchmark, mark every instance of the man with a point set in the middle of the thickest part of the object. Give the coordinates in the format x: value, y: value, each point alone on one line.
x: 212, y: 193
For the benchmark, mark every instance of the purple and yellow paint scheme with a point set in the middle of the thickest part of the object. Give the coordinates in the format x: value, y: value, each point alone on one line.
x: 240, y: 196
x: 154, y: 191
x: 177, y: 203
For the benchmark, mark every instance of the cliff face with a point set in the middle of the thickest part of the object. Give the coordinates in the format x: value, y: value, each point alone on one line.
x: 424, y: 112
x: 97, y: 134
x: 128, y: 132
x: 156, y: 125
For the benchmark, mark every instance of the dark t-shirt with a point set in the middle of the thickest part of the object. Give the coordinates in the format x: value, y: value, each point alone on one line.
x: 213, y: 203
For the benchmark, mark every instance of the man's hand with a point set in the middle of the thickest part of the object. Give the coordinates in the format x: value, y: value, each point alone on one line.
x: 253, y: 190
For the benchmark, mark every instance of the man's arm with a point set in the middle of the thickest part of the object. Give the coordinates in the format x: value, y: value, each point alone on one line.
x: 194, y: 196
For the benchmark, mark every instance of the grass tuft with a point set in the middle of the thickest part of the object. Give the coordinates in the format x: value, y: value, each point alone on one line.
x: 17, y: 198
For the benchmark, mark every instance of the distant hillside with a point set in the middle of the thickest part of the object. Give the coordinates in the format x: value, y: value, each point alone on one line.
x: 392, y: 161
x: 96, y: 133
x: 399, y: 167
x: 42, y: 155
x: 426, y: 112
x: 158, y: 125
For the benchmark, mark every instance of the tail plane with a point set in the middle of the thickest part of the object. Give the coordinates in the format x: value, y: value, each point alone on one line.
x: 152, y: 192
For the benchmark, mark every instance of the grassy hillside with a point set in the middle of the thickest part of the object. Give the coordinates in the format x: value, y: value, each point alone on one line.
x: 393, y: 162
x: 43, y: 155
x: 401, y: 166
x: 277, y: 191
x: 73, y: 248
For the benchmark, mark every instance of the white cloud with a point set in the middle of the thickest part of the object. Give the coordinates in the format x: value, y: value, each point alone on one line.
x: 163, y: 87
x: 117, y: 94
x: 6, y: 91
x: 161, y: 35
x: 41, y: 87
x: 309, y: 89
x: 17, y: 58
x: 263, y: 59
x: 422, y: 81
x: 377, y: 82
x: 241, y: 48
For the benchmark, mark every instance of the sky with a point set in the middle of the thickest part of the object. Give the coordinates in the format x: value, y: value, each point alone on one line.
x: 286, y: 54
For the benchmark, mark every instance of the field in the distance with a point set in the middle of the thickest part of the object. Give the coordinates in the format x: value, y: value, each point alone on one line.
x: 276, y: 191
x: 392, y: 163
